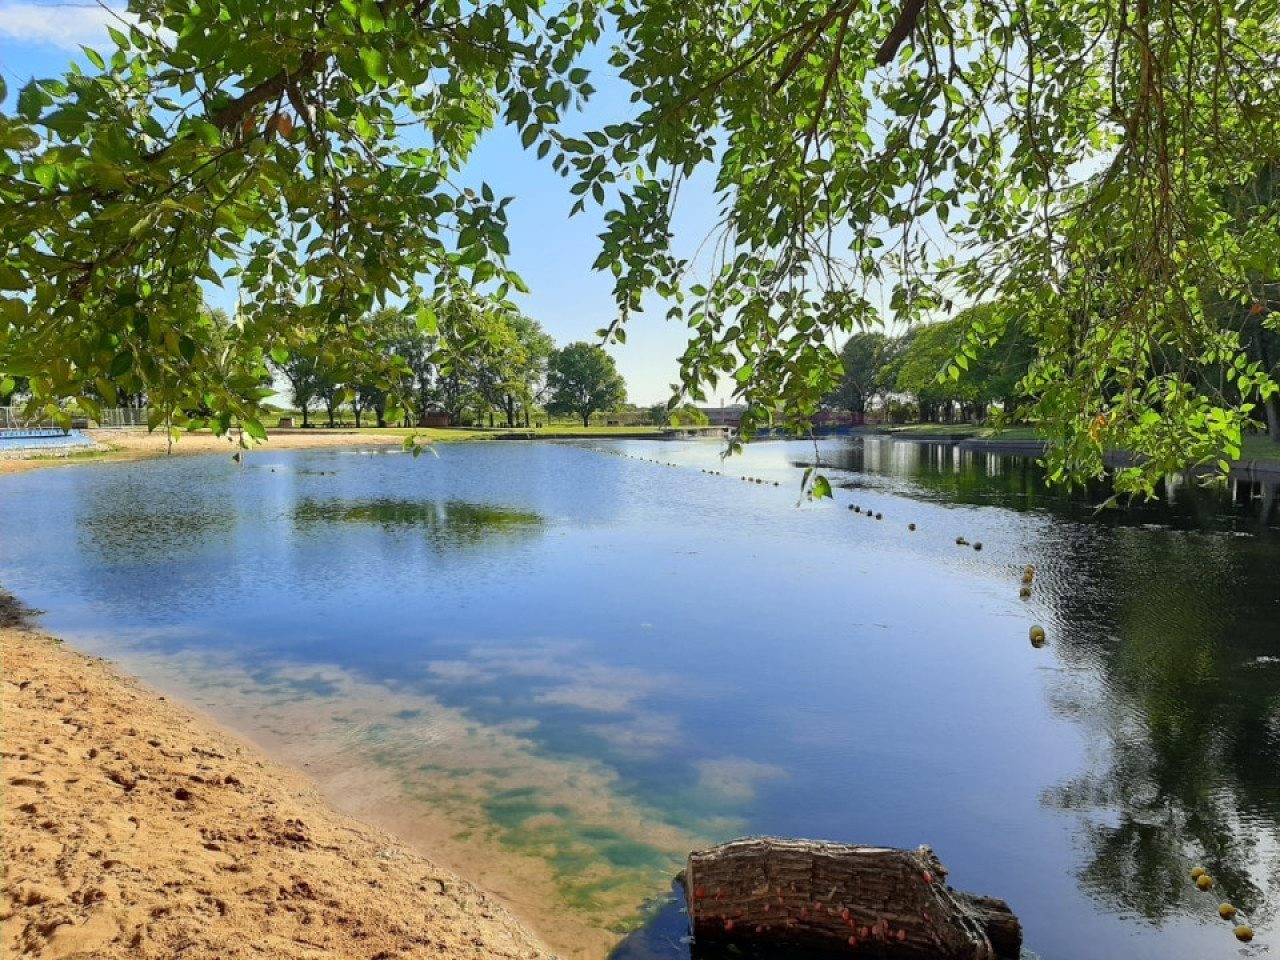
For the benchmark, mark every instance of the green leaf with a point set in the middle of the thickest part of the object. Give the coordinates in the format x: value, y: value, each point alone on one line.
x: 371, y: 19
x: 375, y: 63
x: 31, y: 100
x: 121, y: 364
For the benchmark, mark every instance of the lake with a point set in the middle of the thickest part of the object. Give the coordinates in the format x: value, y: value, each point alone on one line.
x: 557, y: 667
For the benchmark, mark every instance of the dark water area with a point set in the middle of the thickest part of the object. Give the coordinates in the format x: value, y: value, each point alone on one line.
x: 592, y: 662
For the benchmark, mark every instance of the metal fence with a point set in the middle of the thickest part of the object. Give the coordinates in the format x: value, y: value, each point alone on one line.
x: 117, y: 418
x: 13, y: 418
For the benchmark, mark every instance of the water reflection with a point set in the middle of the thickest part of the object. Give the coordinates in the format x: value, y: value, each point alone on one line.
x: 946, y: 473
x: 447, y: 523
x: 126, y: 521
x: 1182, y: 714
x: 560, y: 670
x: 1173, y: 637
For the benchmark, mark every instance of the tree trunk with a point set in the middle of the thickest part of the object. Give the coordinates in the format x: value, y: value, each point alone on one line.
x: 305, y: 421
x: 1272, y: 407
x: 526, y: 417
x: 807, y: 898
x: 586, y: 421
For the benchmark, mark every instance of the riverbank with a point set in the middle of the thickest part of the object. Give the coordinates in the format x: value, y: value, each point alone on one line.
x: 130, y: 445
x: 137, y: 444
x: 1259, y: 456
x: 134, y: 828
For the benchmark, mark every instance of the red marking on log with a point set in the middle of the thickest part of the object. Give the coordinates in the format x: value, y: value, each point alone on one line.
x: 698, y: 893
x: 902, y: 935
x: 844, y: 913
x: 728, y: 924
x: 768, y: 907
x: 928, y: 877
x: 804, y: 914
x: 853, y: 941
x: 865, y: 931
x: 759, y: 929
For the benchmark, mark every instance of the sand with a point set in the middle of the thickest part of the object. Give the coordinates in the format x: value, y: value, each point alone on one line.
x: 140, y: 445
x: 133, y: 827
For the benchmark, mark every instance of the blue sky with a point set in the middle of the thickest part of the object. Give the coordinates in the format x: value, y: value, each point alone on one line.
x: 552, y: 252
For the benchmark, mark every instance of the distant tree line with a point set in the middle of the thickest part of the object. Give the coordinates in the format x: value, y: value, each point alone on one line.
x: 475, y: 362
x: 506, y: 368
x: 905, y: 376
x: 965, y: 367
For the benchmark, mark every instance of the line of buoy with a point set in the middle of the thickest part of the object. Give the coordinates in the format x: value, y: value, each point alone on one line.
x: 1243, y: 932
x: 1037, y: 633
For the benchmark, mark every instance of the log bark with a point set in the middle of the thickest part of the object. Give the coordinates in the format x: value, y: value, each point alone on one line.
x: 770, y: 896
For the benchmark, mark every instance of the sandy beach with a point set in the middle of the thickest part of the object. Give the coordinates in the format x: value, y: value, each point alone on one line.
x: 126, y: 445
x: 134, y: 827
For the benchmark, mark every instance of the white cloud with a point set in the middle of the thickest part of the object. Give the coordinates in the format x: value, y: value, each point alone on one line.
x: 65, y: 26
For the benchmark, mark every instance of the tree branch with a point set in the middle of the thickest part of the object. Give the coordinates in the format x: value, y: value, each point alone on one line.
x: 908, y: 17
x: 268, y: 89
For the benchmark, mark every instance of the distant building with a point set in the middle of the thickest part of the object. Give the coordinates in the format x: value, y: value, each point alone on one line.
x: 725, y: 416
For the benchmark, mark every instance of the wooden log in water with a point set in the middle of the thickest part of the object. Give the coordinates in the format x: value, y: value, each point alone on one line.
x: 769, y: 896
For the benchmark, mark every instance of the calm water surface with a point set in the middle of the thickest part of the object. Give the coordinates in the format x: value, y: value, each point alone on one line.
x: 560, y: 666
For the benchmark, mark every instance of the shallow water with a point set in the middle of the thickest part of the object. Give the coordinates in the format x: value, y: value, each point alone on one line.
x: 559, y: 666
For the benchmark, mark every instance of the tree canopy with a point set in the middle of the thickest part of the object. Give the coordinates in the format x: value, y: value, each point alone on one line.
x: 581, y: 379
x: 866, y: 370
x: 1083, y: 162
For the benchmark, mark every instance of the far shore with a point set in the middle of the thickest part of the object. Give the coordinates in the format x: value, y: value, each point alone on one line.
x: 135, y: 444
x: 135, y: 828
x: 1259, y: 456
x: 130, y: 444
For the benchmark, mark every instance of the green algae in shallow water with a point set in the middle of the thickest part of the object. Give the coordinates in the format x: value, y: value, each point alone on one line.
x: 589, y: 860
x: 451, y: 522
